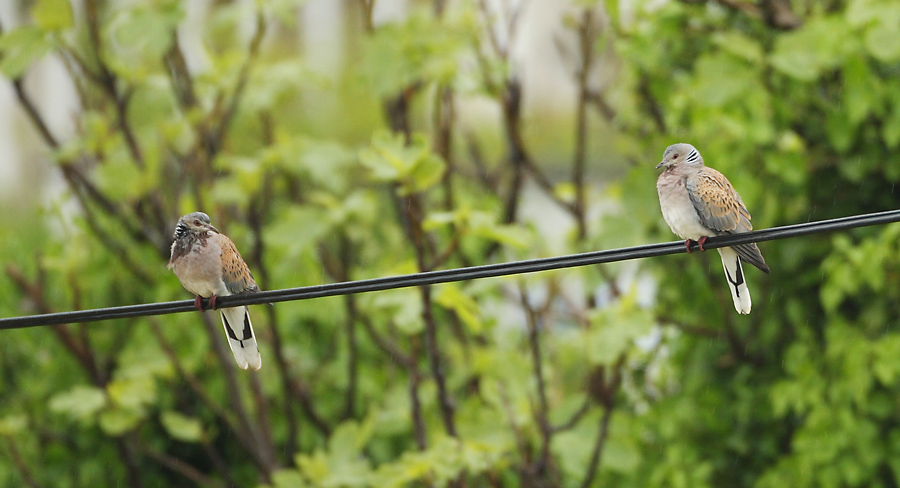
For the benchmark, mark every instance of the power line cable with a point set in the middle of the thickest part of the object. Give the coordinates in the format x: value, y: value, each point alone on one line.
x: 455, y: 274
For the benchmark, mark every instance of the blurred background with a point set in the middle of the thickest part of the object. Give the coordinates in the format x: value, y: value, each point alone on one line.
x: 338, y: 140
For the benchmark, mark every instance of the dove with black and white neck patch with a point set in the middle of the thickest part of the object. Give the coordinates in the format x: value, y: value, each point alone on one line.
x: 699, y: 202
x: 209, y: 265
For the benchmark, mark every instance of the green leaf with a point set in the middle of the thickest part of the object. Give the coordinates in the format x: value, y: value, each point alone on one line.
x: 20, y: 48
x: 132, y: 393
x: 841, y: 134
x: 819, y: 45
x: 744, y: 47
x: 861, y: 12
x: 343, y: 465
x: 325, y: 162
x: 885, y: 366
x: 140, y: 36
x: 182, y: 427
x: 420, y: 49
x: 117, y: 421
x: 717, y: 90
x: 883, y: 41
x: 80, y: 402
x: 614, y: 329
x: 403, y: 306
x: 13, y: 424
x: 297, y: 229
x: 243, y: 181
x: 890, y: 131
x: 414, y: 167
x: 436, y: 220
x: 120, y: 178
x: 451, y: 297
x: 861, y: 95
x: 288, y: 478
x: 52, y: 15
x: 385, y: 159
x: 313, y: 466
x: 348, y: 440
x: 565, y: 191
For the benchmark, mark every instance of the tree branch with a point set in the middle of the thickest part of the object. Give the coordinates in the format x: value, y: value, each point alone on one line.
x: 178, y: 466
x: 543, y: 464
x: 20, y: 464
x: 607, y: 397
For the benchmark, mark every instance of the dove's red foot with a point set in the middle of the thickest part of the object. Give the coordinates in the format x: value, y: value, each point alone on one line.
x: 198, y: 303
x: 700, y: 242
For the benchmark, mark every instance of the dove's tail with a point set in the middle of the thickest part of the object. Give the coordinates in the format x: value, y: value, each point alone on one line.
x: 736, y: 283
x: 239, y: 330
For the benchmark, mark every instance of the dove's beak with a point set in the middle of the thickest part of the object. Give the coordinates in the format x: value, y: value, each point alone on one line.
x: 661, y: 164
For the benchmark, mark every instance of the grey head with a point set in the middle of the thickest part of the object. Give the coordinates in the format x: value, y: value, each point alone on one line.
x: 193, y: 224
x: 680, y: 153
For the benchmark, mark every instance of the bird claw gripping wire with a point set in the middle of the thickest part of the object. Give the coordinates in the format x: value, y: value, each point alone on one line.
x: 700, y: 243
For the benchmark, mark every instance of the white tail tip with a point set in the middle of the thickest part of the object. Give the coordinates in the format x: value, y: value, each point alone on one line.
x: 241, y: 338
x: 734, y: 273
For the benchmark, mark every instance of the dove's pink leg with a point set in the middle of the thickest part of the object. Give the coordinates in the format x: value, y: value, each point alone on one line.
x: 198, y: 302
x: 687, y: 243
x: 687, y: 247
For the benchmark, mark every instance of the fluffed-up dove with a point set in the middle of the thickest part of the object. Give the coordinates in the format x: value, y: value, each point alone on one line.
x: 209, y: 265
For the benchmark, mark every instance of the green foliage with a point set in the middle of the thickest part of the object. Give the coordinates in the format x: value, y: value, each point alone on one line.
x: 413, y: 167
x: 21, y: 47
x: 422, y: 48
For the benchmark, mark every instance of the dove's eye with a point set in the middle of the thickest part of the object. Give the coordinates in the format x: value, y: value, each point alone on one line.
x: 197, y: 223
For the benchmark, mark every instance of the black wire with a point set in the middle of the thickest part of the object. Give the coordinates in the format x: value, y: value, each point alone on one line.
x: 456, y: 274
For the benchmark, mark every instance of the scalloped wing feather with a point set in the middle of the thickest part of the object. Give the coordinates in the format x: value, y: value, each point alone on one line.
x: 235, y: 272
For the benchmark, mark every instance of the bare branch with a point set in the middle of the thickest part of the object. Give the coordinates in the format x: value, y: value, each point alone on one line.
x: 608, y: 388
x: 178, y: 466
x: 543, y: 464
x: 20, y: 464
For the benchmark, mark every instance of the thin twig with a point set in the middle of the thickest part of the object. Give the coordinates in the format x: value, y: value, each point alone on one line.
x: 415, y: 213
x: 260, y: 209
x: 418, y: 420
x: 585, y: 57
x: 388, y: 347
x: 608, y: 401
x: 599, y: 444
x: 301, y: 392
x: 127, y: 449
x: 537, y: 365
x: 20, y: 464
x: 574, y: 419
x: 368, y: 7
x: 178, y: 466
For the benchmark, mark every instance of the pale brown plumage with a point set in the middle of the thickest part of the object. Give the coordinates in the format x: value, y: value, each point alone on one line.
x: 699, y: 202
x: 209, y: 265
x: 235, y: 272
x: 721, y: 209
